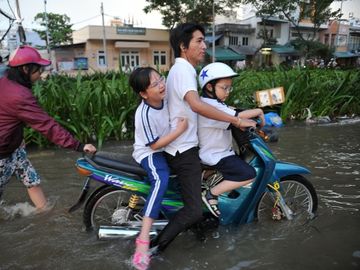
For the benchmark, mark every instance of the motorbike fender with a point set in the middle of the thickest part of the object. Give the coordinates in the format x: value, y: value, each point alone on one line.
x: 283, y: 169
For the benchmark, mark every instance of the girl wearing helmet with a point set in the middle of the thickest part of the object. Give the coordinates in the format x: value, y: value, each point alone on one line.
x: 215, y: 138
x: 18, y: 107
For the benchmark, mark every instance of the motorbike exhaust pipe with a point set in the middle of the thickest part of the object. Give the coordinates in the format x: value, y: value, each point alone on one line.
x: 112, y: 232
x: 109, y: 232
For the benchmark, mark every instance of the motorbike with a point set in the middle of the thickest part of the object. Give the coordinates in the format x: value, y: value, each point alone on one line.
x: 279, y: 192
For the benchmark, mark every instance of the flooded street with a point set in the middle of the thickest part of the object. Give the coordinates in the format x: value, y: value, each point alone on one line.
x: 57, y: 239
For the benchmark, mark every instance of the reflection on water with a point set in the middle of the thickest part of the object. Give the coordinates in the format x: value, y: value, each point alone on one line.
x: 55, y: 239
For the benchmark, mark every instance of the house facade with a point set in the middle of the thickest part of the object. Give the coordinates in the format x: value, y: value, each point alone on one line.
x: 354, y: 35
x: 98, y: 48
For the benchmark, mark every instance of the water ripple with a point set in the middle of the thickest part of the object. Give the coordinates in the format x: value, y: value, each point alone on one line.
x: 335, y: 195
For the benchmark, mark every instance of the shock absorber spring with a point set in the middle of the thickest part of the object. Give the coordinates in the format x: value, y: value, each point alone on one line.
x: 133, y: 201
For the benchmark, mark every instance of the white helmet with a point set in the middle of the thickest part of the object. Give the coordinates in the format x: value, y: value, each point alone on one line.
x: 215, y: 71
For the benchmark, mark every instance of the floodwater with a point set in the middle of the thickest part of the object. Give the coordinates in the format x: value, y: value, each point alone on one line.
x: 57, y: 240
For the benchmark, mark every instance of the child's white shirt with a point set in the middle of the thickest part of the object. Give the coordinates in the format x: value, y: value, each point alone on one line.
x: 215, y: 140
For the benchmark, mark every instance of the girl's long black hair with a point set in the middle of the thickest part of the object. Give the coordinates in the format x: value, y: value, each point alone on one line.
x: 17, y: 74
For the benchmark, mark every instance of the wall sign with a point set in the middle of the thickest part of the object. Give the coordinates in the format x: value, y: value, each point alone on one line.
x: 121, y: 30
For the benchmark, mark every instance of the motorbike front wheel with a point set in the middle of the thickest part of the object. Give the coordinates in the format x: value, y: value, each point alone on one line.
x: 109, y: 206
x: 298, y: 194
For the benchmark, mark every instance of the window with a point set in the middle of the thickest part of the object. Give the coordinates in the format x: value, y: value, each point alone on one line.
x: 306, y: 10
x: 332, y: 41
x: 101, y: 59
x: 233, y: 40
x: 159, y: 57
x: 129, y: 60
x: 326, y: 39
x: 245, y: 41
x: 271, y: 33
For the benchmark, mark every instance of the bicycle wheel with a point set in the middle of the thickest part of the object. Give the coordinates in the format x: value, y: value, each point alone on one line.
x: 109, y: 206
x: 298, y: 194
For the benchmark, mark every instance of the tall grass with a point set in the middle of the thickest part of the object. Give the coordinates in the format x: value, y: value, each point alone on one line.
x: 93, y: 108
x: 101, y: 106
x: 324, y: 92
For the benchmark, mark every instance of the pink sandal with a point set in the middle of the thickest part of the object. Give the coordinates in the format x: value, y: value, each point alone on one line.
x: 141, y: 260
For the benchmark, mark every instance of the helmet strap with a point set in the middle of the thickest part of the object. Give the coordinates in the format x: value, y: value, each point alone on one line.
x: 213, y: 90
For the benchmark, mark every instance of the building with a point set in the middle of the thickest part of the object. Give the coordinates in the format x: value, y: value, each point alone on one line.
x: 263, y: 41
x: 126, y: 47
x: 232, y: 43
x: 354, y: 35
x: 270, y: 40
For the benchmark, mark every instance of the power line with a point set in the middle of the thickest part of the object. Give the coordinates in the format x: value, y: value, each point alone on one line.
x: 87, y: 19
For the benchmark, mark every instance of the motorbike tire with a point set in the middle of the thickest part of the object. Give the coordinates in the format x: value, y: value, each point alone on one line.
x: 298, y: 193
x: 108, y: 206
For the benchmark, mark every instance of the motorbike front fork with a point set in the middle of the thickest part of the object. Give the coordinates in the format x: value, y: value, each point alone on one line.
x: 280, y: 207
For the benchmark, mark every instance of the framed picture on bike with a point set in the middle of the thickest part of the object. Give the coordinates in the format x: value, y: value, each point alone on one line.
x: 270, y: 97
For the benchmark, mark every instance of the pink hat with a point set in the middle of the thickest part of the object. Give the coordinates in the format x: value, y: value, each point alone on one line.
x: 26, y: 55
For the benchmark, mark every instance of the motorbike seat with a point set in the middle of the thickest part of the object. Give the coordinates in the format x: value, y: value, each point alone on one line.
x: 118, y: 161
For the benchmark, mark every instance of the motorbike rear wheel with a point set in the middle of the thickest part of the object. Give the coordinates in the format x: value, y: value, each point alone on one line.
x: 299, y: 195
x: 109, y: 206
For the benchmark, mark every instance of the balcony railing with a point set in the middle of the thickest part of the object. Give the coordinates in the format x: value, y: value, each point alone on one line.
x: 234, y: 28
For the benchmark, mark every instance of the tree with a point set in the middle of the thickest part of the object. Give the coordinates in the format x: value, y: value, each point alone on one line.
x: 312, y: 48
x: 179, y: 11
x: 59, y: 29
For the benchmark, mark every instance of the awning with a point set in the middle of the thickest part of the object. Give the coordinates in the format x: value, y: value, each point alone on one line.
x: 284, y: 50
x: 246, y: 50
x: 344, y: 55
x: 225, y: 54
x: 210, y: 38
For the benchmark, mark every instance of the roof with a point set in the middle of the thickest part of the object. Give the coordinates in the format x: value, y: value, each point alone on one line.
x: 225, y: 54
x: 284, y: 50
x: 344, y: 54
x: 73, y: 45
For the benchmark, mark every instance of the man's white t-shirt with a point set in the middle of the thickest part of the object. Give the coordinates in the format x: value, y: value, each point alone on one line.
x: 181, y: 79
x: 150, y: 124
x: 215, y: 138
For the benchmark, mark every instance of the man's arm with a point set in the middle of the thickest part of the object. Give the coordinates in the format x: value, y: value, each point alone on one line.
x: 200, y: 107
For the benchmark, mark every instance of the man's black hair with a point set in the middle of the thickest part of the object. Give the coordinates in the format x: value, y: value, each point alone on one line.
x: 182, y: 34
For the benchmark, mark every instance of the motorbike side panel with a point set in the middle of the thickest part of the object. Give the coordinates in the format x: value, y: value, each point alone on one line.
x: 172, y: 201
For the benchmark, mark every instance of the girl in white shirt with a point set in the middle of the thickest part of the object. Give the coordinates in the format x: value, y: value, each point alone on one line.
x: 152, y: 134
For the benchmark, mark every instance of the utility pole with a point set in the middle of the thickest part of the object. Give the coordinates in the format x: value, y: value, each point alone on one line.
x: 21, y: 30
x: 47, y: 31
x: 213, y: 31
x: 104, y: 36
